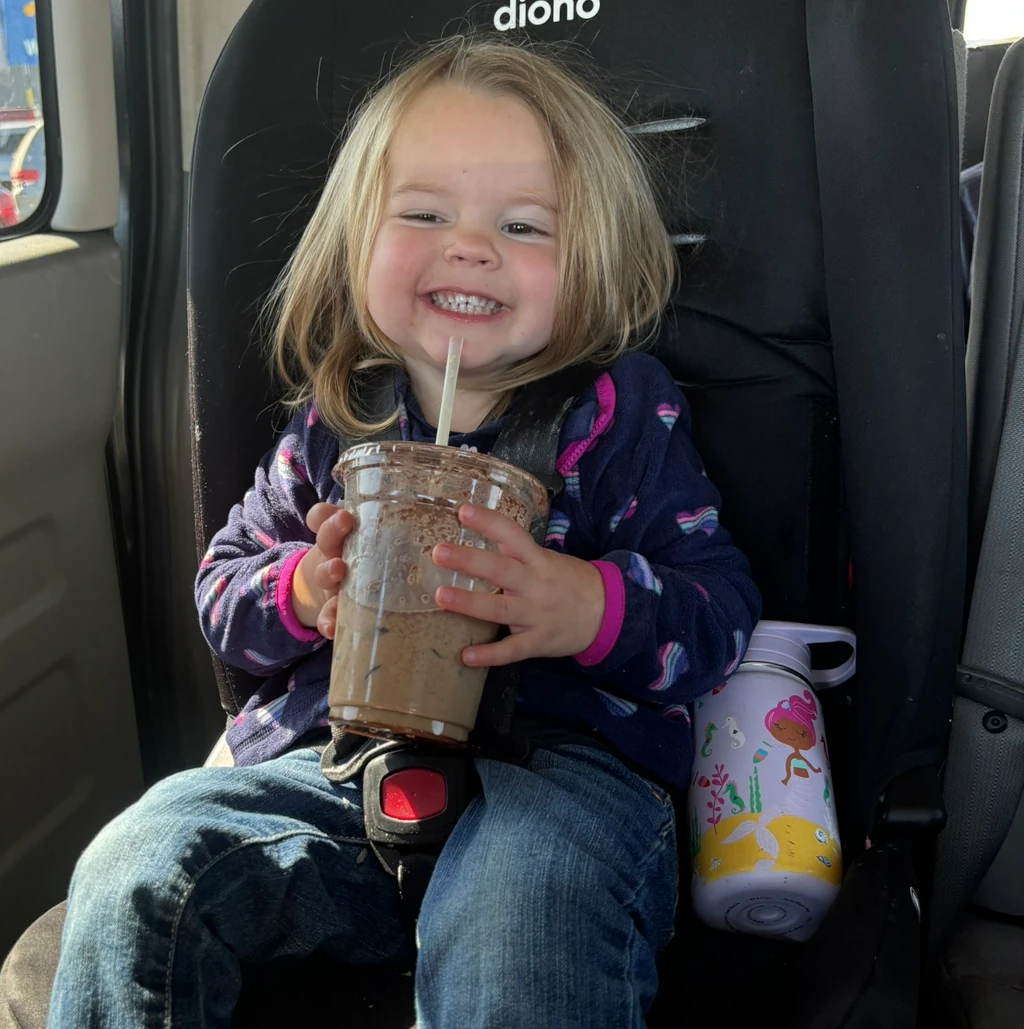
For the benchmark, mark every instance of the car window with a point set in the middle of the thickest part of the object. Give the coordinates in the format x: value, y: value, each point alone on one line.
x: 27, y: 172
x: 9, y: 141
x: 993, y: 21
x: 22, y: 134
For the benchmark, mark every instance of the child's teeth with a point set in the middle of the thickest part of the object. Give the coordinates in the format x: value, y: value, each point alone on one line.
x: 464, y: 303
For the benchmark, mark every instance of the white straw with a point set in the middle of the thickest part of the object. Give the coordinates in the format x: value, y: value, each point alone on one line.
x: 451, y: 374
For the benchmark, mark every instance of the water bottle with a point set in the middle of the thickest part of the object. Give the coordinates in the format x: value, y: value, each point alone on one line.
x: 764, y: 840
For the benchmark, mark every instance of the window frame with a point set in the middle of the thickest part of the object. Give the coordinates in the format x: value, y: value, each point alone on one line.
x: 39, y: 219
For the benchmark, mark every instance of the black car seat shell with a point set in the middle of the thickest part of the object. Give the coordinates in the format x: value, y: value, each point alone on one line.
x: 827, y: 292
x: 817, y: 332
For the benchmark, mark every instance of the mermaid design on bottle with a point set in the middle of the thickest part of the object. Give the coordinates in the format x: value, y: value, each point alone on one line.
x: 792, y: 724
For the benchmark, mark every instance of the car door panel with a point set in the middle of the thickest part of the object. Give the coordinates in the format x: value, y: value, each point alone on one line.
x: 69, y: 756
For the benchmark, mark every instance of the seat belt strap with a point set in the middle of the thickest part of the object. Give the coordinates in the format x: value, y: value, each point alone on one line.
x: 529, y: 439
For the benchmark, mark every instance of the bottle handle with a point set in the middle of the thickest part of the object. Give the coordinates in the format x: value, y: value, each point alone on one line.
x: 826, y: 677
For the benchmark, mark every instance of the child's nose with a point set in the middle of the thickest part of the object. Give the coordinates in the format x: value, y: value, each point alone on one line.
x: 472, y: 248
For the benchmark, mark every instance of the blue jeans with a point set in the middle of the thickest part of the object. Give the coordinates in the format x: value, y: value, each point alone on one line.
x: 547, y: 906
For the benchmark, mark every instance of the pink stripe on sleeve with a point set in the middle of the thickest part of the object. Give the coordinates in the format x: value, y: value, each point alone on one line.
x: 614, y: 614
x: 283, y: 601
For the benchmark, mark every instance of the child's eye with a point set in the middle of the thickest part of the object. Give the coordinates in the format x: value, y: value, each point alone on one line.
x: 422, y: 216
x: 523, y: 229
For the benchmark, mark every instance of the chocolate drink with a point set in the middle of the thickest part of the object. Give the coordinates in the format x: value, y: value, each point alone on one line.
x: 397, y: 668
x: 401, y: 671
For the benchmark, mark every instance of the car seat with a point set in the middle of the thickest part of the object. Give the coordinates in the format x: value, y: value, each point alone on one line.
x: 983, y: 64
x: 981, y: 851
x: 807, y: 158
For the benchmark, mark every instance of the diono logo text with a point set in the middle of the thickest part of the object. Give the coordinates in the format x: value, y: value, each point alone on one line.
x: 540, y: 12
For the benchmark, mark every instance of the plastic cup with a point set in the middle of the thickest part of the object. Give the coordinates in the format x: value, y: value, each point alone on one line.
x: 397, y: 668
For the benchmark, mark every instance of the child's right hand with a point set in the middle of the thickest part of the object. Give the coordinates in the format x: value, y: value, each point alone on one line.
x: 321, y: 571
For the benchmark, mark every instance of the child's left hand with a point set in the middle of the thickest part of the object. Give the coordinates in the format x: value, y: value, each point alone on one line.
x: 553, y: 604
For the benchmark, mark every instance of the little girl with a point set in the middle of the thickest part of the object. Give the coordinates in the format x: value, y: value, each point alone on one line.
x: 483, y: 192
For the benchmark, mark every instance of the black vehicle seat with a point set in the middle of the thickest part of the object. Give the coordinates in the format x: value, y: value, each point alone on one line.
x: 982, y: 67
x: 817, y: 333
x: 982, y: 849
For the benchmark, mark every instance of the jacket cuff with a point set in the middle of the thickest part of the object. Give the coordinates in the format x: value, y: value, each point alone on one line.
x: 283, y: 601
x: 614, y: 614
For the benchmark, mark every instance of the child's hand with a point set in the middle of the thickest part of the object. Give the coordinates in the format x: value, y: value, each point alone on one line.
x: 321, y: 571
x: 553, y: 604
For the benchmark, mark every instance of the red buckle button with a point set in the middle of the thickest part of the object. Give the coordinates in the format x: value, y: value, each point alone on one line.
x: 413, y: 794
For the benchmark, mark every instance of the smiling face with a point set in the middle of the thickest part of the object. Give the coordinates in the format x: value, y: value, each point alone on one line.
x: 467, y: 242
x: 792, y: 733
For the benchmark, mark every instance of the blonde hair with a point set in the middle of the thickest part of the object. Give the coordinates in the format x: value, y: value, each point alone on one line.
x: 615, y: 262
